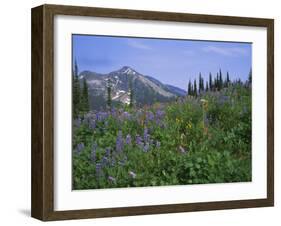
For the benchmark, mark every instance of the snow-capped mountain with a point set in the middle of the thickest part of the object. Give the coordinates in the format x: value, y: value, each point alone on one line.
x: 146, y: 89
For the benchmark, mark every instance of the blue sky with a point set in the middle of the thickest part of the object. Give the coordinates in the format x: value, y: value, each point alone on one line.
x: 171, y: 61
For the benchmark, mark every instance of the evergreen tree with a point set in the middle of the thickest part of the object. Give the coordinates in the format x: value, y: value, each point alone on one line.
x: 131, y: 92
x: 200, y: 83
x: 189, y: 88
x: 217, y: 82
x: 207, y: 87
x: 227, y: 79
x: 75, y: 91
x: 85, y: 98
x: 210, y: 82
x: 108, y: 87
x: 240, y: 81
x: 220, y: 80
x: 194, y: 88
x: 250, y: 78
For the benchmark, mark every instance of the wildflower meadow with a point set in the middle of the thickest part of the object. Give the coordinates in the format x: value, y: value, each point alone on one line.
x: 196, y: 139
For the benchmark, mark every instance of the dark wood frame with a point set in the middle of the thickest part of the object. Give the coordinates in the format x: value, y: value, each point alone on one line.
x: 42, y: 203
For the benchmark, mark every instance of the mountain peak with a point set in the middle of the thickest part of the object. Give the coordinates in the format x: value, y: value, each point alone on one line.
x: 125, y: 67
x: 127, y: 70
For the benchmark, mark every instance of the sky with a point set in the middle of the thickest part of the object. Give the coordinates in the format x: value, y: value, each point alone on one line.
x: 170, y: 61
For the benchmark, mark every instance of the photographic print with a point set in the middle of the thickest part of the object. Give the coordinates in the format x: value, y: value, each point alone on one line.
x: 147, y: 112
x: 157, y: 112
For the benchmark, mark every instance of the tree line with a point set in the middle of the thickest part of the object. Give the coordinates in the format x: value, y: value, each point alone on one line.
x: 80, y: 94
x: 214, y: 84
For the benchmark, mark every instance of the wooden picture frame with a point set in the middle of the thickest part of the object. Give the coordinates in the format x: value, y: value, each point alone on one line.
x: 42, y: 203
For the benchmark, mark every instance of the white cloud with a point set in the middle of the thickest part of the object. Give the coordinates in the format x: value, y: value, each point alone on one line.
x: 226, y: 51
x: 138, y: 44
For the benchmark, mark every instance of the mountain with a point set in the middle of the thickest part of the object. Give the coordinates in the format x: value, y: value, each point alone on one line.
x: 176, y: 90
x: 146, y: 89
x: 173, y: 89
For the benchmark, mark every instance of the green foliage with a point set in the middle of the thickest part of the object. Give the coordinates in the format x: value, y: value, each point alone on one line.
x: 84, y: 98
x: 184, y: 142
x: 108, y: 90
x: 80, y: 96
x: 249, y: 81
x: 194, y: 88
x: 76, y: 91
x: 131, y: 92
x: 210, y: 82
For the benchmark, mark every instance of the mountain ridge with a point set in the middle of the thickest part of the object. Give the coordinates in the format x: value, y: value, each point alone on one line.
x: 146, y: 89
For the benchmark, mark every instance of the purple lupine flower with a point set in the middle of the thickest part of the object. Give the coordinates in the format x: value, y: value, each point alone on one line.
x: 92, y: 124
x: 111, y: 179
x: 101, y: 116
x: 126, y: 115
x: 99, y: 172
x: 104, y: 161
x: 107, y: 152
x: 145, y: 135
x: 113, y: 112
x: 93, y: 152
x: 98, y: 116
x: 158, y: 121
x: 139, y: 142
x: 160, y: 114
x: 132, y: 174
x: 128, y: 139
x: 149, y: 116
x: 146, y: 147
x: 79, y: 148
x: 138, y: 139
x: 119, y: 142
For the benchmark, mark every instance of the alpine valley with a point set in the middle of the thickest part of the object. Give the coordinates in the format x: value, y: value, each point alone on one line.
x: 146, y: 89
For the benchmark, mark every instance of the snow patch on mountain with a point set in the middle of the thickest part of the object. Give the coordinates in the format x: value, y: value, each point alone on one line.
x: 129, y: 71
x: 122, y: 96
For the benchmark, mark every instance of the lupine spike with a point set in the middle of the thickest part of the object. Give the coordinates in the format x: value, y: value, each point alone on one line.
x: 119, y: 142
x: 80, y: 148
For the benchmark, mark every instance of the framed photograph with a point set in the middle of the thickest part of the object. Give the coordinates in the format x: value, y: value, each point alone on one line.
x: 141, y: 112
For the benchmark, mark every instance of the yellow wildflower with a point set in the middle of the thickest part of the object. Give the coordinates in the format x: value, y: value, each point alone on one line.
x: 188, y: 125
